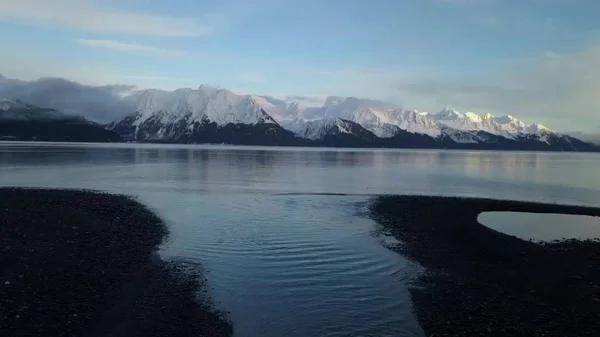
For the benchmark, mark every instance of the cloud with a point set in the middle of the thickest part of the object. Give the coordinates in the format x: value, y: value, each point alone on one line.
x: 97, y: 103
x: 132, y: 48
x: 552, y: 88
x: 306, y: 99
x: 90, y: 16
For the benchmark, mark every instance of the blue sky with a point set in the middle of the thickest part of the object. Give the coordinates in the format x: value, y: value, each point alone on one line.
x: 535, y: 59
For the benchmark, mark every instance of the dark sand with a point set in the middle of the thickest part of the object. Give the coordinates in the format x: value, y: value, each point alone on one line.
x: 479, y: 282
x: 79, y: 263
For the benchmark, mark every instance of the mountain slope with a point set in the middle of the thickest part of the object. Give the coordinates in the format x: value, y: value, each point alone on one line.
x: 20, y: 121
x: 333, y: 132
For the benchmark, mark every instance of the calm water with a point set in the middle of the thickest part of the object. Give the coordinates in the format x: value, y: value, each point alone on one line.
x: 282, y: 254
x: 542, y: 227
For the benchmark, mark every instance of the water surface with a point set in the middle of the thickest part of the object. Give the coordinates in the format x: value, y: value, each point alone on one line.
x: 542, y: 226
x: 282, y: 233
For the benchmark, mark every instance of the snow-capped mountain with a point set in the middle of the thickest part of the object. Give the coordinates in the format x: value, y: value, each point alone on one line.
x: 209, y: 114
x: 377, y: 116
x: 206, y: 114
x: 384, y: 119
x: 507, y: 126
x: 203, y: 104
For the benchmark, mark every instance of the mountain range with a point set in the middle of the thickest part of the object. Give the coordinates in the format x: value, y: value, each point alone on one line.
x: 212, y: 115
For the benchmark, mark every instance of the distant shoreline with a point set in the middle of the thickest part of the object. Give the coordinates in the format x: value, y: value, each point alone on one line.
x: 314, y: 146
x: 84, y: 263
x: 481, y: 282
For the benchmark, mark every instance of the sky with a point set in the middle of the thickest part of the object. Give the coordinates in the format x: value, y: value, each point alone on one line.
x: 538, y: 60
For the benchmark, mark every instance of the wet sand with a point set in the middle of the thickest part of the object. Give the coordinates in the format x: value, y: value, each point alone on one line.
x: 479, y: 282
x: 81, y: 263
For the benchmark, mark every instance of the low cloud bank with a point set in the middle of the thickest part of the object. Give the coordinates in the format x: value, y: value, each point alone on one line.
x: 100, y: 104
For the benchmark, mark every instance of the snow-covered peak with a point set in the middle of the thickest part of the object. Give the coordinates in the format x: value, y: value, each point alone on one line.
x: 473, y: 116
x: 415, y: 121
x: 207, y: 88
x: 448, y: 114
x: 507, y: 119
x: 507, y: 126
x: 317, y: 129
x: 381, y: 118
x: 204, y: 104
x: 536, y: 129
x: 280, y: 110
x: 222, y: 106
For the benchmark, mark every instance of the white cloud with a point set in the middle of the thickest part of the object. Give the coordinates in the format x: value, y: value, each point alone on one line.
x: 90, y: 16
x: 307, y: 100
x: 132, y: 48
x: 97, y: 103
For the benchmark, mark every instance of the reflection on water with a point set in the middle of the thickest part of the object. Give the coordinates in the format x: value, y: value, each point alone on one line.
x: 554, y: 177
x: 281, y: 233
x: 542, y: 227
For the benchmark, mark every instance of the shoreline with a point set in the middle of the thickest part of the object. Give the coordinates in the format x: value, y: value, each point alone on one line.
x: 481, y: 282
x: 316, y: 146
x: 85, y: 263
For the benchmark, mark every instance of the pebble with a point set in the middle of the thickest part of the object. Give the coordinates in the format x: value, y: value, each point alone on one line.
x: 51, y: 212
x: 553, y: 299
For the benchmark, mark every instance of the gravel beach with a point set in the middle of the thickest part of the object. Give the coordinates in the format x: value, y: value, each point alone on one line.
x: 82, y: 263
x: 479, y: 282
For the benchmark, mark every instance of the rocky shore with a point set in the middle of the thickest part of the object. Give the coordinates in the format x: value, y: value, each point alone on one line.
x: 479, y: 282
x: 81, y: 263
